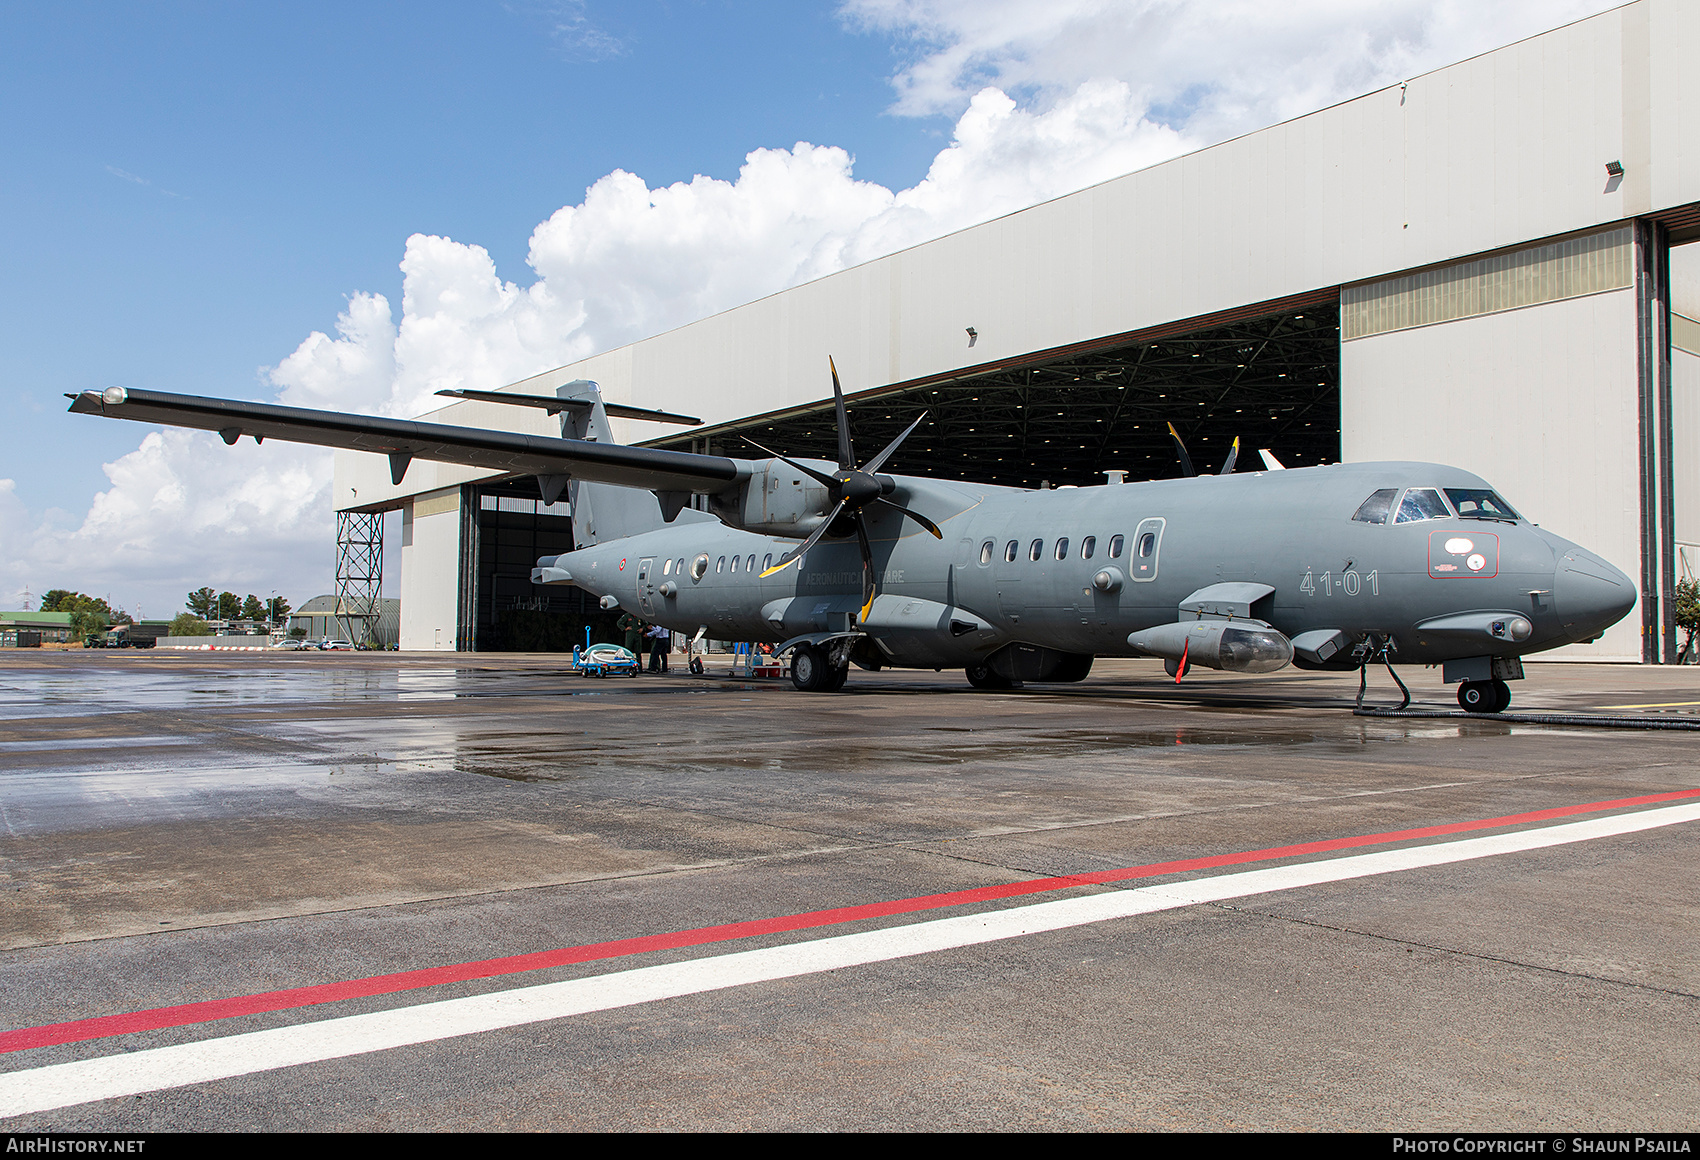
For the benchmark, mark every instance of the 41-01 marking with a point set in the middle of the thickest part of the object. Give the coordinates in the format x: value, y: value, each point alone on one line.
x: 1350, y: 583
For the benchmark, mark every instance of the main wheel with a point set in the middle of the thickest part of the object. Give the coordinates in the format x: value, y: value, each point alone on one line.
x: 810, y: 671
x: 982, y: 677
x: 836, y: 681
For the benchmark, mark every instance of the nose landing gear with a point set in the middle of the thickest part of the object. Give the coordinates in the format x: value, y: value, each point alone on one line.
x: 1484, y: 696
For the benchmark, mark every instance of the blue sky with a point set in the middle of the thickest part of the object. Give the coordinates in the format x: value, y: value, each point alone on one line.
x: 334, y: 205
x: 190, y: 189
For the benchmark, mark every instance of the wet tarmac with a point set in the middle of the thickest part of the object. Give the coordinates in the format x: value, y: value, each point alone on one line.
x: 180, y: 828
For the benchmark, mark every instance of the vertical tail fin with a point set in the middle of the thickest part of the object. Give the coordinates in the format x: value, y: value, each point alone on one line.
x: 601, y: 511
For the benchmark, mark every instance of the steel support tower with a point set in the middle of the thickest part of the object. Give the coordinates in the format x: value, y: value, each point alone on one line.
x: 359, y: 574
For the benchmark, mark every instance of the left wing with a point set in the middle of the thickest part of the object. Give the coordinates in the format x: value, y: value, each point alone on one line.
x: 405, y: 440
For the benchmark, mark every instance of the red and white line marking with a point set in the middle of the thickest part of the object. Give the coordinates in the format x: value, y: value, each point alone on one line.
x: 107, y: 1077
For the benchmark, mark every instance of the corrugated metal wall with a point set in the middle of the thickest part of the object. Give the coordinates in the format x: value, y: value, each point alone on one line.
x: 1568, y: 268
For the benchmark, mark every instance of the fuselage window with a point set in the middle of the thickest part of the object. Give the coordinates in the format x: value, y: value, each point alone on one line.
x: 1374, y: 509
x: 767, y: 562
x: 1478, y: 503
x: 1115, y: 547
x: 1062, y: 548
x: 720, y: 565
x: 734, y: 565
x: 666, y: 567
x: 1147, y: 545
x: 680, y: 566
x: 1035, y: 549
x: 1421, y: 503
x: 1009, y: 550
x: 986, y: 552
x: 699, y: 567
x: 1088, y: 546
x: 751, y: 565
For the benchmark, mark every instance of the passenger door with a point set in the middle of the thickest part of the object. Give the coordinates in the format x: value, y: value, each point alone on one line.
x: 646, y: 586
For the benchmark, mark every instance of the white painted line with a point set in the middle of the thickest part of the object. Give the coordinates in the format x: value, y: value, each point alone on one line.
x: 60, y: 1085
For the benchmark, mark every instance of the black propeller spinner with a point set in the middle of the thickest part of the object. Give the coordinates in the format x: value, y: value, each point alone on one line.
x: 851, y: 488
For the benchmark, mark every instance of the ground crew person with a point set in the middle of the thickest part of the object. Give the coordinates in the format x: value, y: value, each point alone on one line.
x: 633, y: 628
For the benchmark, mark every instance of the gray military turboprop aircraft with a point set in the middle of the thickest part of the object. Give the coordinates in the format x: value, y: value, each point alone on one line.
x: 1322, y: 567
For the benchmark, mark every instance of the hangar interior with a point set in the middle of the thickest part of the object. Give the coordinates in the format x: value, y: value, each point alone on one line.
x: 1271, y: 381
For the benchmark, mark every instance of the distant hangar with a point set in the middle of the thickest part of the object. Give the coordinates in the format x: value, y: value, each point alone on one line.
x: 1480, y: 266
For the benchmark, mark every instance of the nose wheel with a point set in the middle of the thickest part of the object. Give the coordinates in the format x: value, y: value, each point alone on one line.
x: 1484, y: 696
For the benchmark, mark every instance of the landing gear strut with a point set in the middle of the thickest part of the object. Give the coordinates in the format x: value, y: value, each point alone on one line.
x: 1484, y: 696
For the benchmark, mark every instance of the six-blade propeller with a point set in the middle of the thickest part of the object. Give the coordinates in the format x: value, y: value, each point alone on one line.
x: 851, y: 488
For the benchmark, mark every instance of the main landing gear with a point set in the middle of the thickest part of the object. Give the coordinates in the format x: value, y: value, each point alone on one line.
x: 982, y: 677
x: 1484, y: 696
x: 812, y: 670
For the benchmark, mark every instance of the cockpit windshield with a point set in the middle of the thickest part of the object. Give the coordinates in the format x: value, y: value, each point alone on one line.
x: 1478, y: 503
x: 1421, y: 503
x: 1374, y: 509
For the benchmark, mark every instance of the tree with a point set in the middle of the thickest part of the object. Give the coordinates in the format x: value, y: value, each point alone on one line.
x: 203, y: 602
x: 87, y: 623
x: 89, y: 614
x: 54, y: 598
x: 188, y: 624
x: 277, y: 610
x: 229, y: 606
x: 64, y: 600
x: 1687, y: 616
x: 252, y: 609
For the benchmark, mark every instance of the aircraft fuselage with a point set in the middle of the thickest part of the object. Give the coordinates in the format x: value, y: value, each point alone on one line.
x: 1028, y: 566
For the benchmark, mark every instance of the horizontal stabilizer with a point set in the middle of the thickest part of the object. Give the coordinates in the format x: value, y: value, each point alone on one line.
x: 555, y: 406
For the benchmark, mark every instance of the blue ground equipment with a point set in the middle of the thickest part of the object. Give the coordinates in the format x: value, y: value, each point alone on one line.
x: 604, y: 660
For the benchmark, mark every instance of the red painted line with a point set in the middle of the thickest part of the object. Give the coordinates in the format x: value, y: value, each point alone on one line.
x: 159, y: 1018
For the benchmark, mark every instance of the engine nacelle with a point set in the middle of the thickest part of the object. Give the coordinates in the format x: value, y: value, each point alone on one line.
x: 1237, y: 646
x: 776, y: 500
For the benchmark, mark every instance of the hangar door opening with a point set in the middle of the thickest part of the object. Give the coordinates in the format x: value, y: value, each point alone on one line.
x: 506, y: 611
x: 1271, y: 379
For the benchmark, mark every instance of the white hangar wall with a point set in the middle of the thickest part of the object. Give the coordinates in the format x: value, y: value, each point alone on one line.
x: 1491, y: 154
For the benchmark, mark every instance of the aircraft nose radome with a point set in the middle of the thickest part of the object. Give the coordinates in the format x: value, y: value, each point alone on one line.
x: 1590, y: 594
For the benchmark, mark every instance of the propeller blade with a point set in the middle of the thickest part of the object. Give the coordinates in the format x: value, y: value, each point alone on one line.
x: 916, y: 516
x: 846, y: 454
x: 817, y: 476
x: 867, y: 568
x: 796, y: 553
x: 878, y: 461
x: 1180, y: 449
x: 1233, y: 454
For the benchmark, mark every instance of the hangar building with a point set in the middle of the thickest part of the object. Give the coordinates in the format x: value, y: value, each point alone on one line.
x: 1472, y: 267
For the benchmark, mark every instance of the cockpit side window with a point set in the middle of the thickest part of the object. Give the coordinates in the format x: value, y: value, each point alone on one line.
x: 1421, y: 503
x: 1479, y: 503
x: 1374, y: 509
